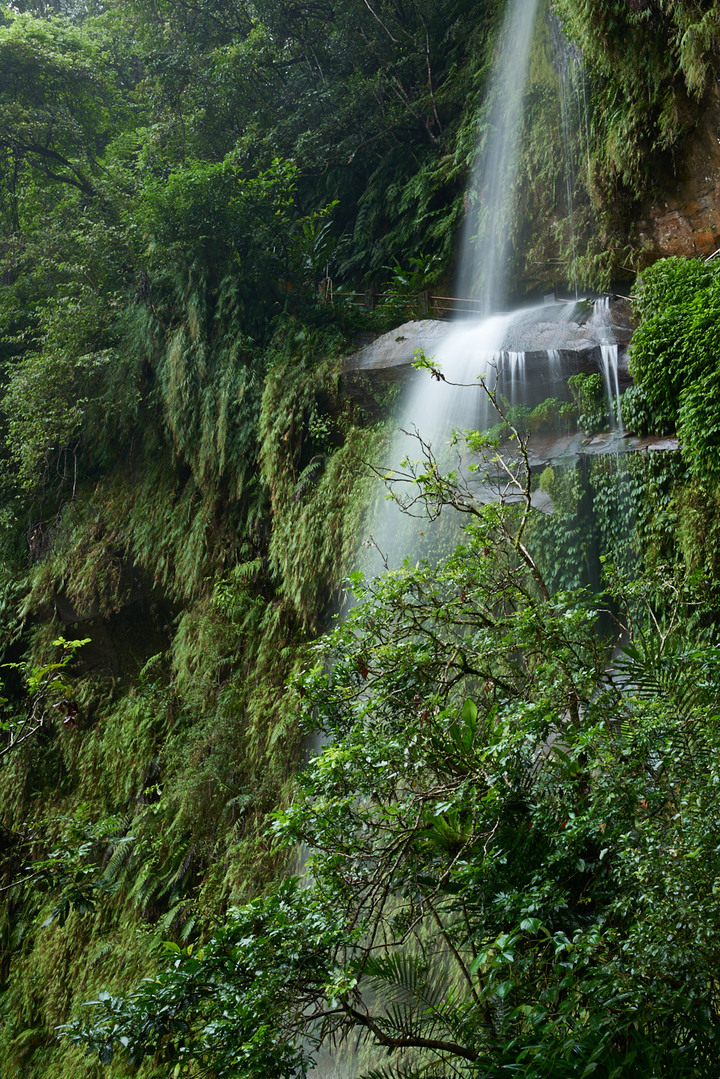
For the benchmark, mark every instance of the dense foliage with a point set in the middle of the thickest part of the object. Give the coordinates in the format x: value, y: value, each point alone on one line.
x: 654, y: 62
x: 675, y: 358
x: 189, y: 197
x: 513, y: 860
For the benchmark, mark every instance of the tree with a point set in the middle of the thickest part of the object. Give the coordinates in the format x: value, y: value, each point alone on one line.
x: 511, y: 846
x: 46, y: 687
x: 58, y: 110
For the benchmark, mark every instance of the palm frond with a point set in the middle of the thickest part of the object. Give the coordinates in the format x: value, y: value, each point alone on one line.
x: 674, y: 670
x: 407, y: 1071
x: 414, y: 997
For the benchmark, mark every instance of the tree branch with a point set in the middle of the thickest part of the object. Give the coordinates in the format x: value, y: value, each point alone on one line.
x: 412, y: 1042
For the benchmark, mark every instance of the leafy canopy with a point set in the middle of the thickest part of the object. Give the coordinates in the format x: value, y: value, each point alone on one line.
x: 504, y: 837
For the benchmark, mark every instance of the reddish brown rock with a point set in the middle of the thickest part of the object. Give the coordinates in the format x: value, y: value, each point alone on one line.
x: 684, y: 219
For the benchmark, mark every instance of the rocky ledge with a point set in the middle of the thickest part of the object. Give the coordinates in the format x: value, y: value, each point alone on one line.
x: 574, y: 334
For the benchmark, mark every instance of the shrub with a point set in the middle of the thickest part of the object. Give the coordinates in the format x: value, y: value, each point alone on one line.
x: 589, y: 396
x: 674, y: 358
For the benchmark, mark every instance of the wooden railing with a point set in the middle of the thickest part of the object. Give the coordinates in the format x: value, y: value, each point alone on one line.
x: 424, y: 305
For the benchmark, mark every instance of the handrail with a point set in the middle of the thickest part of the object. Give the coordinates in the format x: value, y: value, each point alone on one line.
x: 424, y: 303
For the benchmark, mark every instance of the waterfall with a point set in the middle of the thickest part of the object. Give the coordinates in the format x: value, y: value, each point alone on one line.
x: 500, y: 352
x: 604, y: 331
x: 493, y: 352
x: 492, y: 188
x: 475, y: 349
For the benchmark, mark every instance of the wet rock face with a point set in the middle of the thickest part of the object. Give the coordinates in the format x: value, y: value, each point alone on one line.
x: 685, y: 219
x: 372, y: 376
x: 575, y: 334
x: 391, y: 356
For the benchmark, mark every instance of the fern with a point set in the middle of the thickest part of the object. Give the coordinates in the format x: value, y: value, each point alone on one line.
x: 119, y: 859
x: 309, y: 476
x: 415, y: 998
x: 669, y: 669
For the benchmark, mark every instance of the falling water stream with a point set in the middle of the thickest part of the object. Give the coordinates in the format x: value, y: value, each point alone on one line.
x: 497, y: 348
x: 604, y: 331
x: 473, y: 349
x: 491, y: 193
x: 516, y: 353
x: 562, y: 50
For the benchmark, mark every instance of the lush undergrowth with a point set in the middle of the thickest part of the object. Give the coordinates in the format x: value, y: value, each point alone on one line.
x: 137, y: 811
x: 188, y: 197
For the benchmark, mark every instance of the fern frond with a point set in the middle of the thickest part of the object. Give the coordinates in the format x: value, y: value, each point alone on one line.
x: 119, y: 858
x: 247, y: 571
x: 309, y: 476
x: 411, y: 990
x: 188, y: 928
x: 172, y: 918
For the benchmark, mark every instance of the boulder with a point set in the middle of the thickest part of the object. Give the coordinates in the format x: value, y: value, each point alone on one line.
x: 574, y: 333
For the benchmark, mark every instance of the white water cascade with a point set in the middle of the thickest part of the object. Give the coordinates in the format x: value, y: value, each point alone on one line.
x: 491, y: 194
x: 475, y: 358
x: 518, y: 354
x: 476, y: 349
x: 603, y: 328
x: 494, y: 349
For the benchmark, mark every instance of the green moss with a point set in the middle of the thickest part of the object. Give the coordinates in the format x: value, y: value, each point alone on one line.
x: 199, y: 594
x: 320, y: 487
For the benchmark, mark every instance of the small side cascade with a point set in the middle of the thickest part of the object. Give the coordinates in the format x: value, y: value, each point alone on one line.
x: 566, y: 78
x: 553, y: 365
x: 521, y: 376
x: 584, y: 110
x: 513, y: 368
x: 609, y: 357
x: 603, y: 330
x: 574, y: 131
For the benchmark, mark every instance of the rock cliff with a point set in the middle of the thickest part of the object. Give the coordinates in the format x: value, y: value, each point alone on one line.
x: 682, y: 215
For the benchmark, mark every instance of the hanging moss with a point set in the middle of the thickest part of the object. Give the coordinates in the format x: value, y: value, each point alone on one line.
x: 316, y: 467
x: 187, y: 736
